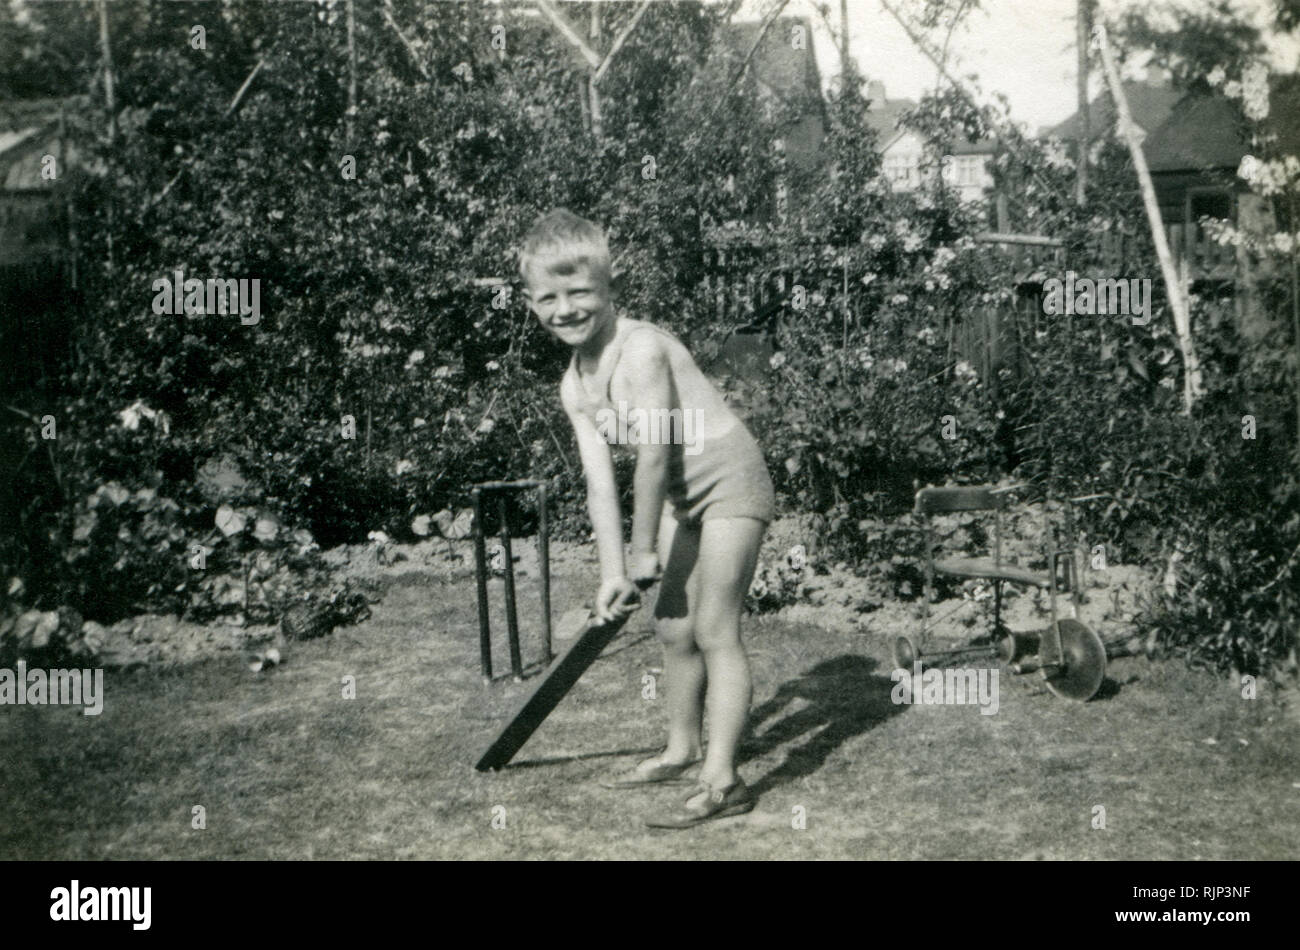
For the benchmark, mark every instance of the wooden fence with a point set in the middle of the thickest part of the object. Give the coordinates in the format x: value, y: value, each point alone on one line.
x: 744, y: 289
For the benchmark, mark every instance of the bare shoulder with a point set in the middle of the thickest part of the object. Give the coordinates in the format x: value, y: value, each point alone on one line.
x: 645, y: 350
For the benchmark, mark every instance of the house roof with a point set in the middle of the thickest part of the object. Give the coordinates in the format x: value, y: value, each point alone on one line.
x: 28, y: 131
x: 1191, y: 131
x: 790, y: 77
x: 980, y: 147
x: 1150, y: 104
x: 788, y: 73
x: 1201, y: 132
x: 1206, y: 131
x: 883, y: 116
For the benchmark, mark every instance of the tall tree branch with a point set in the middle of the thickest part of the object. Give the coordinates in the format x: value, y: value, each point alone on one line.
x: 387, y: 11
x: 1192, y: 388
x: 620, y: 40
x: 569, y: 33
x: 758, y: 41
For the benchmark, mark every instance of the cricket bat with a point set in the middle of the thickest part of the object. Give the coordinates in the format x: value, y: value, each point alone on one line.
x: 553, y: 686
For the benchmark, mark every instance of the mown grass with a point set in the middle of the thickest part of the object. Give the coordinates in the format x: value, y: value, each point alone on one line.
x: 285, y: 767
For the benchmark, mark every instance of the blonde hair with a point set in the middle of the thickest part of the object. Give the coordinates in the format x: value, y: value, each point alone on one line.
x: 569, y: 241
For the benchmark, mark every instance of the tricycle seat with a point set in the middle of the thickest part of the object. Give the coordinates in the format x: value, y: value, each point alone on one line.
x: 986, y: 567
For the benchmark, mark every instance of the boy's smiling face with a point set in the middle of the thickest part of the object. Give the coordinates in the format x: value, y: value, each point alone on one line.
x: 576, y: 306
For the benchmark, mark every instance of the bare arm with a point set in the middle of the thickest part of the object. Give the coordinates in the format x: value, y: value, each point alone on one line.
x: 602, y: 491
x: 644, y: 381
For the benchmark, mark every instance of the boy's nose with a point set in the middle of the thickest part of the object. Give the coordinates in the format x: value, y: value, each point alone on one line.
x: 563, y: 308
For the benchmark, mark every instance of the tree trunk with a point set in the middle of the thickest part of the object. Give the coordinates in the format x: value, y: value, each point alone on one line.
x: 1082, y: 31
x: 1192, y: 387
x: 110, y: 103
x: 597, y: 128
x: 844, y: 37
x: 352, y: 71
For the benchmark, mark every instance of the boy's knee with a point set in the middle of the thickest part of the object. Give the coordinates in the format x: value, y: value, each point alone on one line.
x: 720, y: 636
x: 717, y: 629
x: 675, y: 632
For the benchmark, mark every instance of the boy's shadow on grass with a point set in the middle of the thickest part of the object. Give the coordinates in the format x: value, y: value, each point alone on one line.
x: 846, y: 698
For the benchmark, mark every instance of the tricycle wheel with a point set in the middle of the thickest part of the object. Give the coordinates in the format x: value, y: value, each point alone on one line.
x: 1083, y: 662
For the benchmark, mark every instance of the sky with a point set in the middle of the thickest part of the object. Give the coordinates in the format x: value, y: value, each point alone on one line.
x: 1022, y: 48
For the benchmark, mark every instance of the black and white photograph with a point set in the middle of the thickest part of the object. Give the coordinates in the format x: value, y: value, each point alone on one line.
x: 651, y: 430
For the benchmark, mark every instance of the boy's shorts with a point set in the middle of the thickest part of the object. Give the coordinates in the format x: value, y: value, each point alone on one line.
x: 728, y: 479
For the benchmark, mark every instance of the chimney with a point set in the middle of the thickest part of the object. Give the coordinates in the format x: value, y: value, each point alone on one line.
x: 876, y: 92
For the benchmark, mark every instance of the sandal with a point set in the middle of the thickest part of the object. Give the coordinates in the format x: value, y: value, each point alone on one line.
x: 718, y: 803
x: 665, y: 773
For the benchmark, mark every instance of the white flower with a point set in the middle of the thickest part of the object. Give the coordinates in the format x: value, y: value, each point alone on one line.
x: 1254, y: 91
x: 379, y: 537
x: 486, y: 426
x: 133, y: 413
x: 898, y: 299
x: 416, y: 357
x: 1232, y: 89
x: 1248, y: 170
x: 404, y: 466
x: 417, y: 423
x: 493, y: 365
x: 1216, y: 76
x: 927, y: 336
x: 777, y: 360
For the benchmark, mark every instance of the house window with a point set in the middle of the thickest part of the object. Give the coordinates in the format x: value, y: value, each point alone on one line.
x: 1214, y: 203
x: 901, y: 170
x: 963, y: 170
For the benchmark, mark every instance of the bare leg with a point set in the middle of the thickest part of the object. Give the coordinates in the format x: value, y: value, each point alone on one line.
x: 727, y: 556
x: 684, y: 673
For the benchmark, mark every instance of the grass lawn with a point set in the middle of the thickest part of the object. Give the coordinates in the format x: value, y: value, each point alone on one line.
x: 285, y: 767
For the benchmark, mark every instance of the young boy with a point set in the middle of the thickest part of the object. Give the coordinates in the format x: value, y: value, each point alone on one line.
x: 702, y: 500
